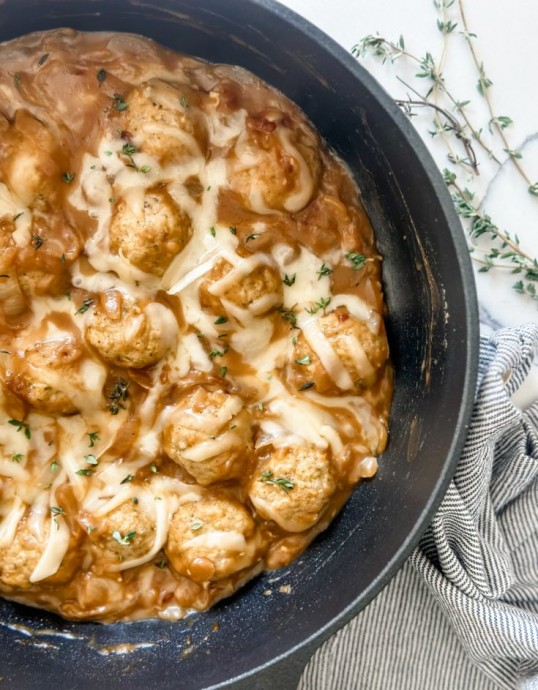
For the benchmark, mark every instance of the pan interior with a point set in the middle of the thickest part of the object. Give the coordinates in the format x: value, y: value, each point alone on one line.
x: 432, y: 331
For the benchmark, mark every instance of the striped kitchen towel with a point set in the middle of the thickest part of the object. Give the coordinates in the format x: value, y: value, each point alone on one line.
x: 462, y: 614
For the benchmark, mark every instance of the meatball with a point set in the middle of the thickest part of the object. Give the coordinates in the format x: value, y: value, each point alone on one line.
x: 277, y: 168
x: 161, y: 120
x: 292, y: 486
x: 360, y: 352
x: 260, y: 290
x: 128, y: 335
x: 45, y: 373
x: 212, y: 538
x: 150, y: 234
x: 210, y: 436
x: 31, y: 169
x: 125, y: 533
x: 19, y: 560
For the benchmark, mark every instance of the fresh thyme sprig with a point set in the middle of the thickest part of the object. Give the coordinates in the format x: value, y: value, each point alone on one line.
x: 504, y: 251
x: 499, y: 249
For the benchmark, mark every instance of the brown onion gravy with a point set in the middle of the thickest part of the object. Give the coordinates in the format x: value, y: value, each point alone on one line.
x: 194, y: 367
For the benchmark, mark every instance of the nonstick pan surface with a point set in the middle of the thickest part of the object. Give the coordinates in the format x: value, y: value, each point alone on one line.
x: 254, y: 640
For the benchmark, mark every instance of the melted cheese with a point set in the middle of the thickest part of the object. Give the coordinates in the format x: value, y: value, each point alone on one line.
x: 95, y: 461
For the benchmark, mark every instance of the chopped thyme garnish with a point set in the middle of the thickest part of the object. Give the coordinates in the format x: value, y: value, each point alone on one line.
x: 62, y: 259
x: 307, y: 385
x: 43, y: 59
x: 223, y: 371
x: 184, y: 102
x: 128, y: 478
x: 128, y: 149
x: 123, y: 540
x: 253, y: 236
x: 38, y: 242
x: 68, y: 177
x: 306, y: 360
x: 54, y: 467
x: 153, y: 468
x: 196, y: 526
x: 288, y: 315
x: 17, y: 457
x: 324, y: 271
x: 212, y: 231
x: 289, y: 280
x: 93, y: 436
x: 233, y: 230
x: 357, y: 260
x: 101, y: 76
x: 267, y: 477
x: 21, y: 426
x: 162, y: 563
x: 16, y: 217
x: 84, y: 472
x: 91, y: 459
x: 322, y: 304
x: 218, y: 353
x: 221, y: 319
x: 118, y: 396
x: 56, y: 511
x: 119, y: 103
x: 88, y: 302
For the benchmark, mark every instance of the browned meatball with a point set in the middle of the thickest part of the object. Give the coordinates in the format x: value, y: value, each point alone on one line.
x: 46, y: 375
x: 277, y: 167
x: 162, y: 120
x: 32, y: 169
x: 259, y: 291
x: 18, y: 561
x: 125, y: 533
x: 127, y: 334
x: 292, y: 486
x: 210, y: 435
x: 359, y: 351
x: 212, y: 538
x: 152, y: 234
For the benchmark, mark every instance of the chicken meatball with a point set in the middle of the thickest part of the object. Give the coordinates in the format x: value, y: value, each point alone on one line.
x: 19, y: 560
x: 128, y: 334
x: 359, y: 354
x: 212, y: 538
x: 259, y: 291
x: 292, y: 486
x: 151, y: 233
x: 277, y: 167
x: 46, y: 375
x: 210, y: 436
x: 32, y: 169
x: 162, y: 122
x: 125, y: 533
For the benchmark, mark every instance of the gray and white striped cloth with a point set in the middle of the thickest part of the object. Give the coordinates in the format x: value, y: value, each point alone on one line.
x: 462, y: 614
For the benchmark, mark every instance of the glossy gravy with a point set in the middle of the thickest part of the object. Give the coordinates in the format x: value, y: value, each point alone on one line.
x: 194, y: 368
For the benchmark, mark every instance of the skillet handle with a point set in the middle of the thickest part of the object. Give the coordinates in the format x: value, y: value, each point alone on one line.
x: 282, y: 675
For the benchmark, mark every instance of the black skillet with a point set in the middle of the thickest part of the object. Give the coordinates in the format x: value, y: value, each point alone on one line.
x: 252, y: 641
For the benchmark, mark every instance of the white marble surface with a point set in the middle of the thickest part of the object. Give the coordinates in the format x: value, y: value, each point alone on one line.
x: 505, y: 42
